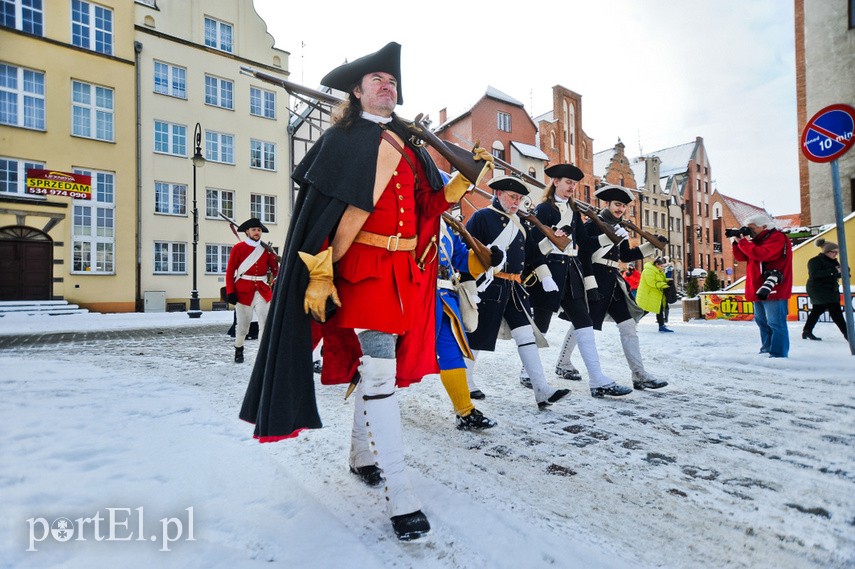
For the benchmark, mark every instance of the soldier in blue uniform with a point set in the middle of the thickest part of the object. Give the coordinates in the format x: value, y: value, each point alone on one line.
x: 502, y: 296
x: 571, y: 269
x: 616, y: 301
x: 451, y: 344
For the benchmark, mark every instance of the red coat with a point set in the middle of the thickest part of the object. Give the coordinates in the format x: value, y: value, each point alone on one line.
x: 632, y: 279
x: 775, y: 251
x: 246, y: 288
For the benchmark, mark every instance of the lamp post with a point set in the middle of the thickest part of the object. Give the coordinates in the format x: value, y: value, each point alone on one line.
x: 198, y: 162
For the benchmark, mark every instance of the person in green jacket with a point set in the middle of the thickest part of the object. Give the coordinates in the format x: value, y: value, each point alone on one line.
x: 651, y: 291
x: 822, y: 288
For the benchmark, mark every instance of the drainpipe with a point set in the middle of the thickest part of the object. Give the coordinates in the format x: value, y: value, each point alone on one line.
x: 138, y: 238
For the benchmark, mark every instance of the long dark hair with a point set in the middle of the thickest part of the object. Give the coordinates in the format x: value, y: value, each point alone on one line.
x: 345, y: 115
x: 549, y: 194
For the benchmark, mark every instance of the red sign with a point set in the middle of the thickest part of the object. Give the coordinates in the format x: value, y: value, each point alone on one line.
x: 829, y: 134
x: 53, y: 183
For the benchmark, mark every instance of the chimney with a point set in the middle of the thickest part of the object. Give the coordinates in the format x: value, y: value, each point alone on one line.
x: 443, y: 115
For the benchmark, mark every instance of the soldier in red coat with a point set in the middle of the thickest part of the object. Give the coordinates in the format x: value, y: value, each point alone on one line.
x: 246, y: 281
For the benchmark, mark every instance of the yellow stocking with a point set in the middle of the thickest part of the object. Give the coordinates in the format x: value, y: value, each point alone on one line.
x: 455, y: 384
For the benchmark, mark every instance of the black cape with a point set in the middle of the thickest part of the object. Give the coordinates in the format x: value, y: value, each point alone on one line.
x: 336, y: 172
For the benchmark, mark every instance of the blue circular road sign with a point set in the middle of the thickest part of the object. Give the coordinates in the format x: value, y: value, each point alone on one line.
x: 829, y: 134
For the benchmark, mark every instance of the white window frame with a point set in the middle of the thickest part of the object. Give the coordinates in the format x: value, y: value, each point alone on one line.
x: 219, y: 92
x: 176, y: 138
x: 262, y: 155
x: 17, y: 178
x: 263, y: 207
x: 24, y: 19
x: 215, y: 35
x: 174, y: 82
x: 28, y: 97
x: 503, y: 121
x: 95, y: 239
x: 92, y: 34
x: 176, y: 258
x: 216, y: 258
x: 218, y: 200
x: 176, y: 198
x: 219, y: 147
x: 262, y: 103
x: 99, y: 116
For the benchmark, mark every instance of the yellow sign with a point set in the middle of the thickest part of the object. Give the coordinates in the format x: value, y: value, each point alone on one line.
x: 53, y: 183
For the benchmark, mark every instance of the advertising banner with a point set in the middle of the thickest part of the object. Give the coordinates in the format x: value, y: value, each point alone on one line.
x: 53, y: 183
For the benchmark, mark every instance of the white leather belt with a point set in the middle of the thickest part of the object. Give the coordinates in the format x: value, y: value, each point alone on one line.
x: 608, y: 263
x: 444, y: 283
x: 253, y: 278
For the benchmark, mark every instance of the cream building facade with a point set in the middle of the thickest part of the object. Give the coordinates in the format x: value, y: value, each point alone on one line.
x: 67, y: 105
x: 189, y: 59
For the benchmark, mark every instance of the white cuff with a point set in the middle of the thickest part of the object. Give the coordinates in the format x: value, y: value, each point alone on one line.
x: 590, y: 282
x: 545, y: 246
x: 542, y: 271
x: 647, y: 249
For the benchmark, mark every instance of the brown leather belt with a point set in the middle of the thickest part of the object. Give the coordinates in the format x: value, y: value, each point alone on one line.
x: 507, y: 276
x: 388, y: 242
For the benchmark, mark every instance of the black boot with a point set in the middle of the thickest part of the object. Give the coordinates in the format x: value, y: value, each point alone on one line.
x: 370, y: 474
x: 239, y: 355
x: 410, y: 526
x: 809, y: 336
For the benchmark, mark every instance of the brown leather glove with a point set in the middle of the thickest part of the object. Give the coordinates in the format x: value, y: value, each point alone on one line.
x: 456, y: 188
x: 321, y: 290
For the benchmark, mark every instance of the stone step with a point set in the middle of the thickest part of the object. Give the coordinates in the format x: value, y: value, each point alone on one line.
x: 32, y: 307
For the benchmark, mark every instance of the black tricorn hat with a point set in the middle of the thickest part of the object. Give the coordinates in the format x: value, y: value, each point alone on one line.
x: 564, y: 171
x: 611, y: 193
x: 508, y: 184
x: 252, y: 222
x: 387, y: 60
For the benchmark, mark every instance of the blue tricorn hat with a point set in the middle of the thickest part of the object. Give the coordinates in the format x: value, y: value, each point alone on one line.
x: 610, y: 193
x: 564, y: 171
x: 387, y: 60
x: 508, y: 184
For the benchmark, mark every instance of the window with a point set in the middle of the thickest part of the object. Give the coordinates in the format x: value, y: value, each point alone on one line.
x: 499, y: 153
x: 170, y: 257
x: 218, y: 35
x: 93, y: 232
x: 262, y: 155
x: 262, y: 103
x: 170, y: 138
x: 22, y: 97
x: 24, y: 15
x: 92, y: 27
x: 91, y: 111
x: 170, y: 199
x: 646, y: 217
x: 13, y: 175
x: 664, y: 221
x: 219, y: 92
x: 263, y: 207
x: 217, y: 201
x: 170, y: 80
x: 503, y: 121
x: 219, y: 147
x: 217, y: 258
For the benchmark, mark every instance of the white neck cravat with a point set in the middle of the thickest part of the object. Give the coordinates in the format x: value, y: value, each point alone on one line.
x: 376, y: 118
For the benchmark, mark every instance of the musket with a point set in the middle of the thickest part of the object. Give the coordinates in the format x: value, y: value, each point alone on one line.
x: 479, y: 249
x: 594, y: 213
x: 267, y: 246
x: 461, y: 158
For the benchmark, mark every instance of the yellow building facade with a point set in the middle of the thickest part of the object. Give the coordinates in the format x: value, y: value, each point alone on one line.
x: 67, y: 105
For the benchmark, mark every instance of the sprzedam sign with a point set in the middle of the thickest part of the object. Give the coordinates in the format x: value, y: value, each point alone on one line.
x: 53, y: 183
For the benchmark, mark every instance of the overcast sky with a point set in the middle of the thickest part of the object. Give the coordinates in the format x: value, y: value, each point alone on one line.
x: 655, y: 73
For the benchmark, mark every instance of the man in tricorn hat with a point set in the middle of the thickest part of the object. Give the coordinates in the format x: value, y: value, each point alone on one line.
x: 246, y: 281
x: 571, y: 268
x: 502, y: 296
x: 615, y: 299
x: 369, y: 205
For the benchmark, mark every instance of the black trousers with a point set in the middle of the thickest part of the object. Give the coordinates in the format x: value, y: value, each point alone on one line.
x: 834, y: 310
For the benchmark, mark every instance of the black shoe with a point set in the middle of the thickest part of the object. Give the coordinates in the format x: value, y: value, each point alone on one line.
x: 568, y: 373
x: 614, y: 390
x: 474, y: 421
x: 809, y: 336
x: 371, y: 475
x: 642, y: 382
x: 525, y: 382
x: 477, y: 394
x: 558, y: 395
x: 316, y: 366
x: 239, y: 355
x: 410, y: 526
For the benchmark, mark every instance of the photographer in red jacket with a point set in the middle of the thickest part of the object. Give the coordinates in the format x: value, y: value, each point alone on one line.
x: 768, y: 279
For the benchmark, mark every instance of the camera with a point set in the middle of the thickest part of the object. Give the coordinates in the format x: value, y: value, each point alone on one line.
x: 772, y: 278
x: 737, y: 232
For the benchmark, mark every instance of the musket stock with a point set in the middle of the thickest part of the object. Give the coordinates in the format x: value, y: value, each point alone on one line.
x: 474, y: 244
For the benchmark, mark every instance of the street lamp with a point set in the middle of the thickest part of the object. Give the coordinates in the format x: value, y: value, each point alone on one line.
x: 198, y: 162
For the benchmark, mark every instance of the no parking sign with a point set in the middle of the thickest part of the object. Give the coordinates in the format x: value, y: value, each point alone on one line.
x: 828, y: 135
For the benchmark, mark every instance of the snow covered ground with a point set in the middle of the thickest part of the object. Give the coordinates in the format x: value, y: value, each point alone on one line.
x: 126, y: 427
